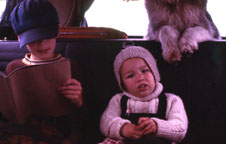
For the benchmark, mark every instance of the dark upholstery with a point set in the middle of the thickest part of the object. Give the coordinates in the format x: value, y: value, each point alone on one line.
x: 198, y: 79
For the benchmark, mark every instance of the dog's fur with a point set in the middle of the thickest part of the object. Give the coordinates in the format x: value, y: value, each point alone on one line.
x: 179, y: 25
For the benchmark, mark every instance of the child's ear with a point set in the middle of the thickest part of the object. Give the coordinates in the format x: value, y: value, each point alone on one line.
x: 59, y: 29
x: 18, y: 38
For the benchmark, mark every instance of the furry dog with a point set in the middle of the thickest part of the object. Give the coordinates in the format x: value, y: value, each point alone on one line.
x: 179, y: 25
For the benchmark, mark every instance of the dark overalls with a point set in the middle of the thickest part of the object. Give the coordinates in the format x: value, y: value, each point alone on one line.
x: 134, y: 117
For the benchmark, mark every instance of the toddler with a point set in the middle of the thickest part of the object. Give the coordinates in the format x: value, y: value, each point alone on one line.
x: 143, y: 112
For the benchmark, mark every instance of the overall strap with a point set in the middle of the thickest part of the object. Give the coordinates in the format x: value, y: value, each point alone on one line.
x: 161, y: 113
x: 123, y: 103
x: 162, y: 106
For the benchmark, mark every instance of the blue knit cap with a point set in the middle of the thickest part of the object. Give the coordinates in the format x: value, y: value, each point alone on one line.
x: 34, y: 20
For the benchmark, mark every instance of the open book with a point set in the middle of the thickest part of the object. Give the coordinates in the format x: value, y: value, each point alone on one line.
x: 32, y: 90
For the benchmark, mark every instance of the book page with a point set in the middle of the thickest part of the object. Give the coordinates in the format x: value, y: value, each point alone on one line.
x: 34, y: 90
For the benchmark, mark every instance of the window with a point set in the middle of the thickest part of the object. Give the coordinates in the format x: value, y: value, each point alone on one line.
x: 131, y: 17
x: 217, y: 11
x: 2, y: 7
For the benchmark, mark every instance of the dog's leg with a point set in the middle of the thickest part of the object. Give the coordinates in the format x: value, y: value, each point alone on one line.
x: 168, y: 36
x: 191, y: 37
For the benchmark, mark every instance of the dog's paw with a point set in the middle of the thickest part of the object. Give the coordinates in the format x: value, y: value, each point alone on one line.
x: 188, y: 45
x: 171, y: 54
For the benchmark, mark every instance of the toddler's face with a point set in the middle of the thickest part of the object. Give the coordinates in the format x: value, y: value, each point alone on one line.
x: 137, y: 77
x: 42, y: 49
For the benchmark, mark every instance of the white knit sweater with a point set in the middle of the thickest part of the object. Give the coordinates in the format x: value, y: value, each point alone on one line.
x: 174, y: 128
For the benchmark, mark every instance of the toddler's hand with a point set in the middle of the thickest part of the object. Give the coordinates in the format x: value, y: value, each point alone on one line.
x: 72, y: 90
x: 147, y: 125
x: 130, y: 131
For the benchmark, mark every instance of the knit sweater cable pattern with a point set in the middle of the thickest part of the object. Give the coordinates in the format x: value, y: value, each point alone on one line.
x: 174, y: 128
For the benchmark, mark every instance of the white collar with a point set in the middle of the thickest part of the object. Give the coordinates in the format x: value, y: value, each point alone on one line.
x: 27, y: 61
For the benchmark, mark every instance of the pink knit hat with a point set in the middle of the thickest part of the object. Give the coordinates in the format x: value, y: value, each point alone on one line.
x: 132, y: 52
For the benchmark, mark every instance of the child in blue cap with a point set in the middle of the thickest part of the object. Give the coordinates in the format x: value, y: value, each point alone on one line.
x: 36, y: 24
